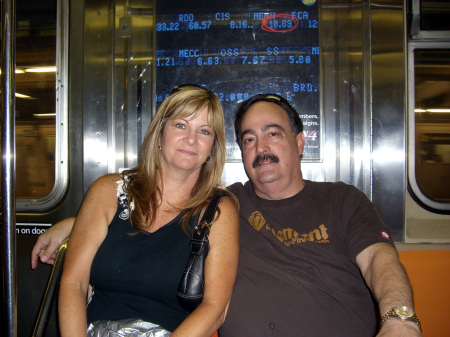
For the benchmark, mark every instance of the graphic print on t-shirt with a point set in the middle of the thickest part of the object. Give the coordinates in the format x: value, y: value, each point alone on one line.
x: 288, y: 236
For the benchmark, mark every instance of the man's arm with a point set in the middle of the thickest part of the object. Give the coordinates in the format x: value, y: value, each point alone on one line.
x: 387, y: 278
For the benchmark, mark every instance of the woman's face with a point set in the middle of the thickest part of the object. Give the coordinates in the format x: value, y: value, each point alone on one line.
x: 186, y: 143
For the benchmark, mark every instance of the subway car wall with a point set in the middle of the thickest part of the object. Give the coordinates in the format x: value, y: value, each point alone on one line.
x: 341, y: 64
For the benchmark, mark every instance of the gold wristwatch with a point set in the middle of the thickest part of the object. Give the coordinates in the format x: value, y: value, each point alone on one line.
x: 404, y: 313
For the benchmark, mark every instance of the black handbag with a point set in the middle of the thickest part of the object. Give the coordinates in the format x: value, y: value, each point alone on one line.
x: 190, y: 289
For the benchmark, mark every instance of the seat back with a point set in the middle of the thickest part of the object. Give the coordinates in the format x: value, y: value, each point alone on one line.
x: 429, y: 272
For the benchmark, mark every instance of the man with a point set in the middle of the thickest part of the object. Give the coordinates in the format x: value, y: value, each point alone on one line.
x: 313, y: 255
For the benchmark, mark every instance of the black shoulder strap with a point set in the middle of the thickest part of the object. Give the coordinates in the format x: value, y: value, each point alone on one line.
x: 208, y: 216
x: 199, y: 239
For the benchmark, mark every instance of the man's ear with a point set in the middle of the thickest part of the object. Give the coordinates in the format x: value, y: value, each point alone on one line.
x: 300, y: 142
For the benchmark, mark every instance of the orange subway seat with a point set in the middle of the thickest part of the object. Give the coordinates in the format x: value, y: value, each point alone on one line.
x: 429, y: 272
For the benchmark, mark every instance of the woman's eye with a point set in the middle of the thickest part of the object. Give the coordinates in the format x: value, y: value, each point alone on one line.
x: 180, y: 125
x: 205, y: 132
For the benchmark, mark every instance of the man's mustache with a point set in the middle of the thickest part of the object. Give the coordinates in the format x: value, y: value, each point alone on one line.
x: 263, y: 157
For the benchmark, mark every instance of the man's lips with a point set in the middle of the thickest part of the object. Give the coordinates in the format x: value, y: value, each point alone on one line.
x: 264, y: 158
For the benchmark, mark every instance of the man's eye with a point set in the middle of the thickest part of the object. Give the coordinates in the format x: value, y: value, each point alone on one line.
x: 247, y: 140
x: 272, y: 134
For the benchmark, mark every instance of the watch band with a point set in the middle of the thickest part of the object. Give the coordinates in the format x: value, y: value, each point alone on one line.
x: 403, y: 313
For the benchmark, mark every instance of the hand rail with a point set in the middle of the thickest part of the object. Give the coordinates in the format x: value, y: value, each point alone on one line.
x: 49, y: 296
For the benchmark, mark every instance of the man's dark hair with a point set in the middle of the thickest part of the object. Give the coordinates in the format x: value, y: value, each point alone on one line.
x: 294, y: 119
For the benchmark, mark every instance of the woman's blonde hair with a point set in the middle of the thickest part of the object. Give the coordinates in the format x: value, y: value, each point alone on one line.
x: 143, y: 182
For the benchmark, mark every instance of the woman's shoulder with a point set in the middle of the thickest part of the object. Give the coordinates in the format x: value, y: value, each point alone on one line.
x: 109, y: 178
x: 101, y: 197
x: 227, y: 216
x: 228, y: 203
x: 228, y: 199
x: 106, y: 184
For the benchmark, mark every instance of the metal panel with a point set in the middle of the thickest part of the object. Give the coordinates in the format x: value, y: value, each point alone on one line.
x: 133, y: 78
x: 389, y: 119
x: 97, y: 47
x: 344, y: 93
x: 118, y: 84
x: 362, y: 104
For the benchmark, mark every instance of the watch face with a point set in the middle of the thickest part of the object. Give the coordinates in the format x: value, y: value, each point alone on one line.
x: 404, y: 312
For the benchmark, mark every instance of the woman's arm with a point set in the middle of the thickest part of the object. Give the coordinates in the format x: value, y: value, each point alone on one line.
x: 48, y: 243
x: 220, y: 275
x: 89, y: 231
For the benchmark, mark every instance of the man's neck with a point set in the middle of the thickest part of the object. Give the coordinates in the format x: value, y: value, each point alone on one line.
x: 277, y: 191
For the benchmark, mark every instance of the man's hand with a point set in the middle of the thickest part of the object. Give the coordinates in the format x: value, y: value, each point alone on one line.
x: 395, y: 327
x: 48, y: 243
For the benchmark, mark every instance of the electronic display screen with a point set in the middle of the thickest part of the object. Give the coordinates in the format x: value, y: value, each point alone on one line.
x: 242, y: 48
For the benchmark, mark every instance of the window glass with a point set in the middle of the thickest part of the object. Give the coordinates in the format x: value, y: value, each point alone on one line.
x: 432, y: 122
x: 434, y: 14
x: 35, y: 97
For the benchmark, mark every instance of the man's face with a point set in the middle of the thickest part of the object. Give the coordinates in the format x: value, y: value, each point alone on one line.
x: 270, y: 150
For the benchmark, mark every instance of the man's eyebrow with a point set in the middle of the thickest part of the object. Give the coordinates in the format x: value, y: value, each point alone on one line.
x: 248, y: 131
x: 269, y: 126
x: 264, y: 128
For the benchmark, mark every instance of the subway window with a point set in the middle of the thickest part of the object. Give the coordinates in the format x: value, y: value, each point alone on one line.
x: 40, y: 113
x: 429, y: 104
x: 434, y: 15
x: 432, y: 122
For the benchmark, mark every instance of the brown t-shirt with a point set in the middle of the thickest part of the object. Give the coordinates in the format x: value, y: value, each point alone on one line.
x: 297, y: 272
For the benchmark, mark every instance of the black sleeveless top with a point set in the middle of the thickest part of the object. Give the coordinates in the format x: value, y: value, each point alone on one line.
x: 136, y: 276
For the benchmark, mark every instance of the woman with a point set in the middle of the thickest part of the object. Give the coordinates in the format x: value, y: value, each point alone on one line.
x: 130, y: 238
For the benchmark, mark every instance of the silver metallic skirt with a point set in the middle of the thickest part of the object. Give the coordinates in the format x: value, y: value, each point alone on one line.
x: 126, y: 327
